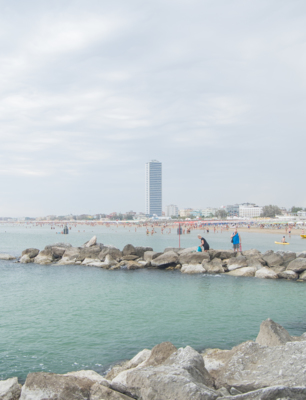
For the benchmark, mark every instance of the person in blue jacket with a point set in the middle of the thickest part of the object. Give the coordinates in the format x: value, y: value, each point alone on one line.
x: 236, y: 239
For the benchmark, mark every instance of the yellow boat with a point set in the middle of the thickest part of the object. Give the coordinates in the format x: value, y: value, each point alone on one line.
x: 303, y: 236
x: 281, y: 243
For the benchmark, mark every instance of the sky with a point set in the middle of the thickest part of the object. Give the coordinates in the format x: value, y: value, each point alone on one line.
x: 92, y: 90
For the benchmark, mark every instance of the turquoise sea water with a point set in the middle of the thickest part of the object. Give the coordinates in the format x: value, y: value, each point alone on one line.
x: 64, y: 318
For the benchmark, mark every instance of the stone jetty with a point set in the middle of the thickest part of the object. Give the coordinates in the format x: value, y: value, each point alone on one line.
x: 250, y: 263
x: 271, y: 367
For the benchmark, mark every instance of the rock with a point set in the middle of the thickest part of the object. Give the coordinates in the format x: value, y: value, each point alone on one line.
x: 193, y: 258
x: 182, y: 376
x: 151, y: 255
x: 223, y: 392
x: 31, y: 253
x: 245, y: 271
x: 273, y: 259
x: 4, y: 256
x: 288, y: 256
x: 141, y: 250
x: 234, y: 391
x: 189, y: 250
x: 278, y: 269
x: 160, y: 353
x: 214, y: 266
x: 288, y: 275
x: 302, y: 254
x: 44, y: 257
x: 91, y: 242
x: 225, y: 254
x: 71, y: 254
x: 88, y: 252
x: 214, y: 253
x: 237, y: 262
x: 142, y: 357
x: 175, y: 249
x: 89, y: 374
x: 90, y: 261
x: 164, y: 260
x: 272, y: 393
x: 129, y: 250
x: 112, y: 251
x: 131, y: 265
x: 98, y: 264
x: 272, y: 334
x: 99, y: 392
x: 130, y: 258
x: 215, y: 360
x: 26, y: 259
x: 44, y: 385
x: 303, y: 276
x: 297, y: 265
x: 10, y: 389
x: 266, y: 273
x: 253, y: 366
x: 251, y: 253
x: 193, y: 269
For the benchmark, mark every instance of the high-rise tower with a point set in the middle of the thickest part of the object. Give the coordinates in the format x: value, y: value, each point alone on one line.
x: 154, y: 188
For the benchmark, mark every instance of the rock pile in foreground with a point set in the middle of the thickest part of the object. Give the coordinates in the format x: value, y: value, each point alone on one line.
x: 269, y: 265
x: 271, y: 368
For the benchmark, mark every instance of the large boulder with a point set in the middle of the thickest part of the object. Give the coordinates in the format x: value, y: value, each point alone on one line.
x: 140, y: 250
x: 302, y: 254
x: 193, y: 258
x: 91, y: 242
x: 166, y: 259
x: 213, y: 267
x: 31, y: 253
x: 291, y: 275
x: 139, y: 359
x: 253, y: 366
x: 89, y: 374
x: 273, y: 259
x: 193, y: 249
x: 271, y: 393
x: 297, y: 265
x: 150, y: 255
x: 225, y: 254
x: 44, y: 257
x: 26, y: 259
x: 251, y: 253
x: 266, y: 273
x: 129, y: 250
x: 72, y: 253
x: 237, y: 262
x: 272, y: 334
x: 193, y: 269
x: 255, y: 261
x: 99, y: 392
x: 245, y: 271
x: 175, y: 249
x: 160, y: 353
x: 44, y: 385
x: 5, y: 256
x: 10, y: 389
x: 89, y: 252
x: 278, y: 269
x: 182, y: 376
x: 288, y: 256
x: 112, y: 251
x: 302, y: 276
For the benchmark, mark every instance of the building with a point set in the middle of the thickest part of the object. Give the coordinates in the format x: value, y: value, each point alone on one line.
x: 154, y: 188
x: 208, y: 212
x: 172, y: 211
x: 249, y: 210
x: 232, y: 210
x: 185, y: 212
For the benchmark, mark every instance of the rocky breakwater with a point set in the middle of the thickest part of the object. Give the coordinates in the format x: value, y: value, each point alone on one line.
x: 271, y: 367
x: 250, y: 263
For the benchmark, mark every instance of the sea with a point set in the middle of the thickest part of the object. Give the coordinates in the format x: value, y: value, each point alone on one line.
x: 66, y: 318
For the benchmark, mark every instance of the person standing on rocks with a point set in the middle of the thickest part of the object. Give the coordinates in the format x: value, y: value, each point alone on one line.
x: 204, y: 246
x: 236, y: 240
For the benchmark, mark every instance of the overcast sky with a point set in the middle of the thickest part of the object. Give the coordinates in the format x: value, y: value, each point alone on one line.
x: 92, y: 90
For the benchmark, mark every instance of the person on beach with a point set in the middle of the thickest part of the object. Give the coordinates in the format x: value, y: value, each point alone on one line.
x: 204, y: 246
x: 236, y: 240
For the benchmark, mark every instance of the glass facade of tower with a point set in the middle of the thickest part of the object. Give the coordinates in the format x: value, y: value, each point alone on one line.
x: 154, y: 188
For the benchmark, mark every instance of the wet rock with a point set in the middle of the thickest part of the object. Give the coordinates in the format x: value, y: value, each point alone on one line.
x: 214, y: 266
x: 297, y: 265
x: 237, y: 262
x: 44, y: 257
x: 129, y: 250
x: 193, y: 258
x: 31, y: 253
x: 266, y: 273
x: 166, y: 259
x: 26, y: 259
x: 193, y: 269
x: 245, y: 271
x: 288, y: 275
x: 10, y: 389
x: 272, y: 334
x: 151, y: 255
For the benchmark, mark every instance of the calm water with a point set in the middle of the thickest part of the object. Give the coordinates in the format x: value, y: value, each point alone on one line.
x: 63, y: 318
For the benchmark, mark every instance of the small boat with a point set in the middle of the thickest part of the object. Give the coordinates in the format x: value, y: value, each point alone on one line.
x: 281, y: 243
x: 303, y: 236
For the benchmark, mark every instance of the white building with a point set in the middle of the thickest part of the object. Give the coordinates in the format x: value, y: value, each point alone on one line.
x: 249, y: 210
x: 154, y: 188
x: 208, y: 212
x: 172, y: 210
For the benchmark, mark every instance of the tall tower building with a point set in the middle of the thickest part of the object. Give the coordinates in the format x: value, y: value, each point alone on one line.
x: 154, y: 188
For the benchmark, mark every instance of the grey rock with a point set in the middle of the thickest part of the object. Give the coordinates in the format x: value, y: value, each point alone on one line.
x: 188, y: 250
x: 31, y: 253
x: 192, y: 269
x: 214, y: 266
x: 5, y: 256
x: 10, y: 389
x: 25, y: 259
x: 288, y: 256
x: 160, y: 353
x: 253, y: 366
x: 89, y: 374
x: 272, y: 393
x: 166, y: 259
x: 175, y: 249
x: 91, y: 242
x: 297, y: 265
x: 266, y: 273
x: 130, y: 258
x: 302, y: 254
x: 44, y: 257
x: 288, y: 275
x: 303, y: 276
x: 99, y: 392
x: 88, y: 252
x: 251, y: 253
x: 279, y: 269
x: 71, y: 254
x: 273, y: 259
x: 272, y: 334
x: 112, y: 251
x: 150, y: 255
x: 193, y: 258
x: 129, y: 250
x: 214, y: 253
x: 225, y: 254
x: 234, y: 391
x: 245, y: 271
x: 237, y: 262
x: 141, y: 250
